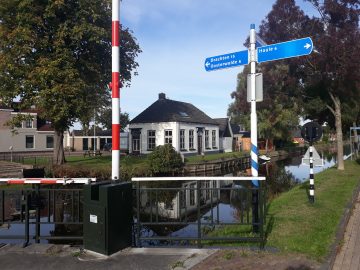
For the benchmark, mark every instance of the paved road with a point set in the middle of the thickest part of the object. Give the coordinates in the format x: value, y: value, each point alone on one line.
x: 44, y: 256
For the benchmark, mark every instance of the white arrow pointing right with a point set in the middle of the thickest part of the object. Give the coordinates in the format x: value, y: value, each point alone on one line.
x: 307, y: 46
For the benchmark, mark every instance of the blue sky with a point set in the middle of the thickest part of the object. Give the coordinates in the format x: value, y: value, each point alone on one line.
x: 176, y: 36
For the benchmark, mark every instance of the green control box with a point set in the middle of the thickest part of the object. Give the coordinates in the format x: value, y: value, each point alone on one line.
x: 108, y: 217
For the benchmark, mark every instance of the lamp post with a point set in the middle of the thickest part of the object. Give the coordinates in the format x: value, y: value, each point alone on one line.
x: 11, y: 153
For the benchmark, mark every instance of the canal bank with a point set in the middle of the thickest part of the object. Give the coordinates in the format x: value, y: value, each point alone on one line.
x: 299, y: 229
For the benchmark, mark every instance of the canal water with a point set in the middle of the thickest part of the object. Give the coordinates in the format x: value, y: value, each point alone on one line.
x: 281, y: 175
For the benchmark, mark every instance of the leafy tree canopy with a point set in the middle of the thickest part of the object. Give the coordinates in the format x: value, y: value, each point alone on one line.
x: 57, y: 55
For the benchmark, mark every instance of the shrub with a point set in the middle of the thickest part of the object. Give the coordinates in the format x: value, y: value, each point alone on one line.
x: 164, y: 159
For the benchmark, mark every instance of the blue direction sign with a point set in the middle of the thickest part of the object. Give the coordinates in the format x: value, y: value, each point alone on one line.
x: 293, y: 48
x: 227, y: 60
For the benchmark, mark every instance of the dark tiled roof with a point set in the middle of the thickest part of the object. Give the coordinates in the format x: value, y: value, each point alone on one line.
x: 223, y: 127
x: 167, y: 110
x: 45, y: 127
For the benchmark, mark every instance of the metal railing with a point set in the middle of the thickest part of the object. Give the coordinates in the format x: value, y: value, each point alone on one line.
x: 28, y: 212
x: 190, y: 210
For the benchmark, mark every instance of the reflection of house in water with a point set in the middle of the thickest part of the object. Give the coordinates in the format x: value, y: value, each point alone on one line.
x: 180, y: 202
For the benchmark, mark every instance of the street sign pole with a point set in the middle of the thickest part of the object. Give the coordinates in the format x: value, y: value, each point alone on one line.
x: 253, y: 116
x: 312, y: 182
x: 253, y: 119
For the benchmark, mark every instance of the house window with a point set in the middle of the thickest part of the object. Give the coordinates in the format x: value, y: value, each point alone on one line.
x: 28, y: 123
x: 207, y: 139
x: 102, y: 142
x: 213, y: 138
x: 182, y: 139
x: 168, y: 136
x: 29, y: 141
x: 49, y: 141
x: 191, y: 139
x: 151, y: 139
x: 85, y: 143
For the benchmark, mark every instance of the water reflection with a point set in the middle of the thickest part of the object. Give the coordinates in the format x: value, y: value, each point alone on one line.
x: 55, y: 206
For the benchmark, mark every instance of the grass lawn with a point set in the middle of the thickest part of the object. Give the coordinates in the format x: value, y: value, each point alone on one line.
x: 298, y: 226
x: 126, y: 161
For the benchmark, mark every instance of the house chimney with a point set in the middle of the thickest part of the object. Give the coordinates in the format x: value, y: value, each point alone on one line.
x: 162, y: 96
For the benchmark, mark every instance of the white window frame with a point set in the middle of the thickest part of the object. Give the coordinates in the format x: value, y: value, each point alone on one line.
x: 168, y: 137
x: 182, y: 139
x: 29, y: 123
x: 207, y: 145
x: 191, y: 139
x: 151, y: 140
x: 33, y: 142
x: 213, y: 138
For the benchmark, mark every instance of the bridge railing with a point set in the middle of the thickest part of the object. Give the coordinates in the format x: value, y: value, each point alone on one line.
x: 190, y: 210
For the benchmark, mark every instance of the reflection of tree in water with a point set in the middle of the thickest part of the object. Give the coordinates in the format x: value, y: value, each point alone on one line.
x: 278, y: 180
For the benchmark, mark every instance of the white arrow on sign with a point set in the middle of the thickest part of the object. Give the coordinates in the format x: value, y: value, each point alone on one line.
x: 307, y: 46
x: 207, y: 64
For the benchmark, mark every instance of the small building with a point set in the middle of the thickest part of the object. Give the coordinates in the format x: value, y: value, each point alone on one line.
x: 297, y: 138
x: 76, y: 140
x: 226, y: 136
x: 189, y: 130
x: 33, y: 134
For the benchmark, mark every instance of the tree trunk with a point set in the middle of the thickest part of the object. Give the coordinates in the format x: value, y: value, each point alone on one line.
x: 355, y: 144
x: 266, y: 145
x: 58, y: 157
x: 339, y: 136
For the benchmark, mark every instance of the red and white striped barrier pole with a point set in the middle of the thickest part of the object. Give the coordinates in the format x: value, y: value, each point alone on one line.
x: 115, y: 42
x: 47, y: 181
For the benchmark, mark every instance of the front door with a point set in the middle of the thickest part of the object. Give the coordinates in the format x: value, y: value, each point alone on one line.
x: 200, y: 145
x: 135, y: 141
x: 136, y: 145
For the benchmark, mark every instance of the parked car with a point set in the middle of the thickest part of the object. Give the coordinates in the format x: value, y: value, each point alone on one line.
x: 107, y: 147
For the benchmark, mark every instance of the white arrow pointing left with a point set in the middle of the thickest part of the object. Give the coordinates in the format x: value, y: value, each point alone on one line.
x: 207, y: 64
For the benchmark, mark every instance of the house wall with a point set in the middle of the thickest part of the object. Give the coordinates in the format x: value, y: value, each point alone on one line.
x: 175, y: 127
x: 76, y: 142
x: 227, y: 144
x: 18, y: 139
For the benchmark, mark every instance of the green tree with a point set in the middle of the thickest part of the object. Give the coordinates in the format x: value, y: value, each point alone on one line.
x: 164, y: 159
x: 279, y: 112
x: 57, y: 55
x: 334, y: 66
x: 105, y: 119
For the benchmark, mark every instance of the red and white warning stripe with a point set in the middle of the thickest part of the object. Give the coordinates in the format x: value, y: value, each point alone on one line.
x: 115, y: 85
x: 47, y: 181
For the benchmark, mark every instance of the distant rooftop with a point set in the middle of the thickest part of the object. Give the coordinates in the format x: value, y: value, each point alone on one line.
x: 167, y: 110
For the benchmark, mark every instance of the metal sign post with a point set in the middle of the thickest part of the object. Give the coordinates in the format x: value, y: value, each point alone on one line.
x: 311, y: 132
